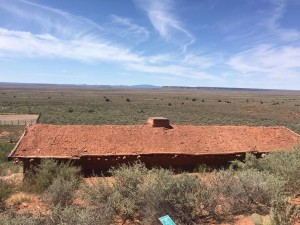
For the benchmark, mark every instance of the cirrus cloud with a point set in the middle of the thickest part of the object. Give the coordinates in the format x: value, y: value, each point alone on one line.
x: 273, y: 61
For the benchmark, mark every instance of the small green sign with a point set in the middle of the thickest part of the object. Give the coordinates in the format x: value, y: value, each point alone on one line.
x: 166, y: 220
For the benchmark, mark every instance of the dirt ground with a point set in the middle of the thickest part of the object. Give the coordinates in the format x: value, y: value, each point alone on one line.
x: 4, y: 134
x: 78, y: 140
x: 18, y: 119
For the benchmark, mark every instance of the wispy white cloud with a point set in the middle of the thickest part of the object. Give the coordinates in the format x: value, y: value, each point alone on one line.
x: 160, y: 58
x: 130, y: 26
x: 189, y: 59
x: 58, y: 34
x: 61, y: 35
x: 261, y: 26
x: 278, y: 62
x: 50, y: 20
x: 272, y: 22
x: 276, y: 13
x: 175, y: 70
x: 162, y: 17
x: 271, y: 52
x: 202, y: 61
x: 26, y: 44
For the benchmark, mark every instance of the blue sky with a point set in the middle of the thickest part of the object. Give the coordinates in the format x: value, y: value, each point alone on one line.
x: 232, y: 43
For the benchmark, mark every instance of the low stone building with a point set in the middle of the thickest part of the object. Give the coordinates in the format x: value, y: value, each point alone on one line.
x: 97, y: 148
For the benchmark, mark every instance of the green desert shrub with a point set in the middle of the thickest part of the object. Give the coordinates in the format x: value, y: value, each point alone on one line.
x: 122, y: 197
x: 58, y: 215
x: 78, y: 216
x: 5, y: 191
x: 180, y: 196
x: 146, y: 195
x: 5, y: 149
x: 61, y: 192
x: 227, y: 194
x: 42, y: 177
x: 250, y: 162
x: 283, y: 170
x: 246, y: 191
x: 13, y: 218
x: 5, y: 166
x: 284, y: 165
x: 284, y: 213
x: 261, y: 188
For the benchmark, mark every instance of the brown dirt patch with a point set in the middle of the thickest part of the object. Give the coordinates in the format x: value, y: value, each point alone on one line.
x: 24, y: 202
x: 18, y: 119
x: 238, y: 220
x: 15, y: 178
x: 295, y: 201
x: 79, y: 140
x: 4, y: 134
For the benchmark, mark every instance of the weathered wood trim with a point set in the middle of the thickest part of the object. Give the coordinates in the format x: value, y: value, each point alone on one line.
x: 140, y: 155
x: 10, y: 156
x: 46, y: 157
x: 38, y: 119
x: 171, y: 153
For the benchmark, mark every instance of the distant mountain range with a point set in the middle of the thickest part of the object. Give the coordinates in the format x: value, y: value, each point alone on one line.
x: 8, y: 85
x: 75, y: 86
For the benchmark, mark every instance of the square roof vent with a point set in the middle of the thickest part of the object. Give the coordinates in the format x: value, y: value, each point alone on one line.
x: 158, y: 122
